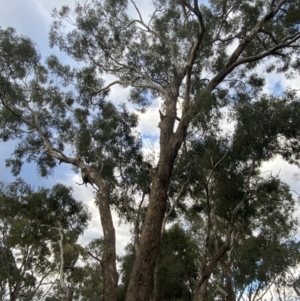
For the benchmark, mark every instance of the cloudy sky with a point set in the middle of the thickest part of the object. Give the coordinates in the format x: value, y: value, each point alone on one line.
x: 33, y: 19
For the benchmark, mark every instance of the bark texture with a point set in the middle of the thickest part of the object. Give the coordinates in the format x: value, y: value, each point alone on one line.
x: 142, y: 276
x: 141, y: 283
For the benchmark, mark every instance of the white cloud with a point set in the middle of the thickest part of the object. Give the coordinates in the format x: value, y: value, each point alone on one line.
x: 148, y: 122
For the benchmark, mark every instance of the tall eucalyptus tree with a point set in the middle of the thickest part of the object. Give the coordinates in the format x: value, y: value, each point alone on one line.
x: 196, y: 58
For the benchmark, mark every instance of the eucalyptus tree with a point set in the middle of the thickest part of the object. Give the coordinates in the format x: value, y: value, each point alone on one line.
x: 57, y: 127
x: 192, y: 57
x: 84, y: 279
x: 224, y: 195
x: 28, y: 239
x: 196, y: 58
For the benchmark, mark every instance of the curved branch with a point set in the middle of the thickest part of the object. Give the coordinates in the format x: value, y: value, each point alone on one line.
x: 233, y: 61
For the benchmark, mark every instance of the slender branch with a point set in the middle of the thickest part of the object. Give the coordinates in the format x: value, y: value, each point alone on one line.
x: 208, y: 224
x: 95, y: 257
x: 128, y: 83
x: 265, y: 292
x: 241, y: 293
x: 284, y: 43
x: 61, y: 271
x: 189, y: 66
x: 174, y: 203
x: 50, y: 288
x: 216, y: 165
x: 233, y: 61
x: 224, y: 18
x: 41, y: 281
x: 15, y: 113
x: 125, y: 203
x: 166, y: 41
x: 60, y: 242
x: 223, y: 292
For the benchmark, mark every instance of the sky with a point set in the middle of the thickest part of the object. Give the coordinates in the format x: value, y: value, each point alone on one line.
x: 33, y: 19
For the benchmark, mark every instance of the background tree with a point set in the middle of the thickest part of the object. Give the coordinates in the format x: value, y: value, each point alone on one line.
x: 28, y: 241
x: 226, y: 189
x: 177, y: 265
x: 99, y: 133
x: 84, y: 279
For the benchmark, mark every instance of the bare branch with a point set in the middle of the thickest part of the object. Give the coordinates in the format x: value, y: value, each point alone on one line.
x: 192, y: 57
x: 216, y: 165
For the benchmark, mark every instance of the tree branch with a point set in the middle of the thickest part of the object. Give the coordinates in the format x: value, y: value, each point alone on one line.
x: 170, y: 44
x: 95, y: 257
x: 233, y: 61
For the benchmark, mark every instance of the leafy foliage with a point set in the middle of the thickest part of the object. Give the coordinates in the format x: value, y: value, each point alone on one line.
x: 200, y: 61
x: 28, y: 238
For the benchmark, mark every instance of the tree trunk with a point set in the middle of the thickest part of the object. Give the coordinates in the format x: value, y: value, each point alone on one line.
x: 201, y: 290
x: 229, y: 285
x: 108, y: 263
x: 155, y: 294
x: 230, y: 294
x: 141, y: 281
x: 201, y: 286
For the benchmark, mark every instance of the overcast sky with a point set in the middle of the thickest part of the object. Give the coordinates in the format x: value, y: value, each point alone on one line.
x: 33, y: 19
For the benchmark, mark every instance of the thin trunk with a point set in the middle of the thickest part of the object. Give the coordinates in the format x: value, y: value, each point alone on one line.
x: 108, y: 263
x: 155, y: 295
x: 230, y: 295
x: 15, y: 294
x: 201, y: 286
x: 230, y: 292
x: 69, y: 295
x: 92, y: 176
